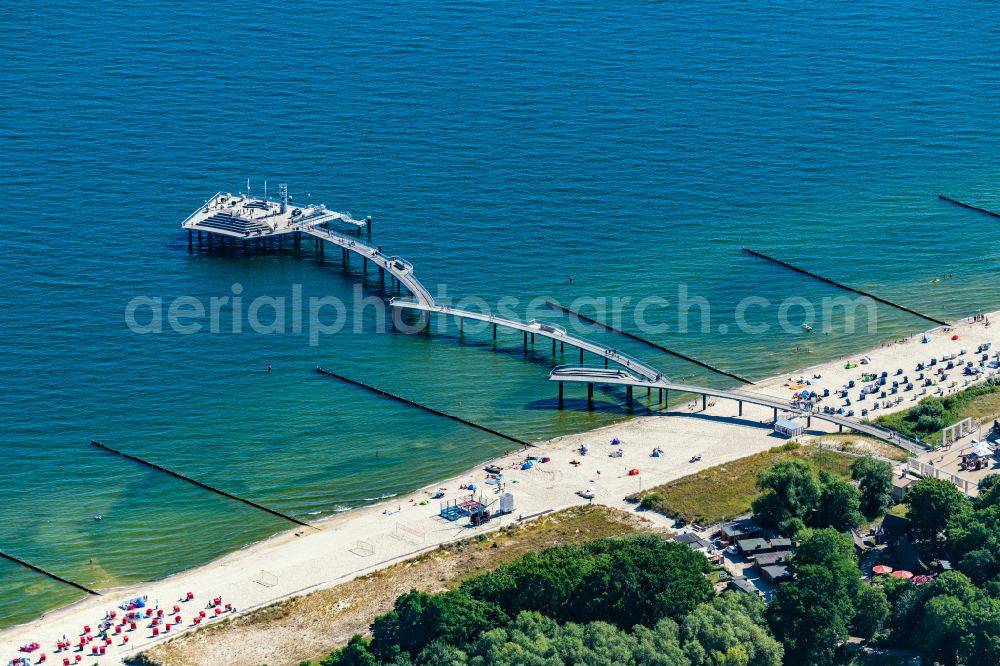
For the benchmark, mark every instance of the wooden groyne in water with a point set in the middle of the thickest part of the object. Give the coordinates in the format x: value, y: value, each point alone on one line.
x: 203, y: 485
x: 583, y: 317
x: 418, y: 405
x: 48, y: 573
x: 844, y: 286
x: 969, y: 206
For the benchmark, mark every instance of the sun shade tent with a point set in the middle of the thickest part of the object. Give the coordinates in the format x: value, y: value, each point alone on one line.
x: 788, y: 427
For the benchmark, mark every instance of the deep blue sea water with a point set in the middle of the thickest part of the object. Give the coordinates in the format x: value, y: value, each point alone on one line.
x: 502, y: 148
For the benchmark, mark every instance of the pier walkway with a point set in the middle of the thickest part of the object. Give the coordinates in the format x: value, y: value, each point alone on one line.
x: 556, y: 333
x: 619, y: 377
x: 632, y: 373
x: 401, y: 269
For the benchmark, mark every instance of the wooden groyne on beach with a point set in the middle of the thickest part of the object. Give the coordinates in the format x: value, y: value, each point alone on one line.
x: 583, y: 317
x: 760, y: 255
x: 969, y: 206
x: 413, y: 403
x: 203, y: 485
x: 51, y: 575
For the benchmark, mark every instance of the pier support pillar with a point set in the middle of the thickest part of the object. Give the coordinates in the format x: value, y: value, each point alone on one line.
x: 628, y: 395
x: 590, y: 396
x: 666, y: 400
x: 581, y: 357
x: 553, y: 347
x: 494, y: 331
x: 532, y: 339
x: 381, y: 275
x: 190, y: 240
x: 740, y: 403
x: 562, y: 347
x: 704, y: 402
x: 461, y: 327
x: 840, y: 428
x: 661, y: 397
x: 775, y: 414
x: 809, y: 421
x: 525, y: 341
x: 605, y: 361
x: 649, y: 391
x: 560, y: 394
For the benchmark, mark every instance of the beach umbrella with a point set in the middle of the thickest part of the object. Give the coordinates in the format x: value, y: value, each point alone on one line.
x: 922, y: 579
x: 905, y: 575
x: 881, y: 569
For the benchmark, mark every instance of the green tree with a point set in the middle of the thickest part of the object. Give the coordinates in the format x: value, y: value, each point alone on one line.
x: 826, y: 547
x: 988, y: 482
x: 980, y: 645
x: 810, y: 615
x: 872, y: 611
x: 728, y: 630
x: 980, y: 565
x: 355, y: 653
x: 945, y: 621
x: 533, y: 639
x: 874, y: 479
x: 791, y: 490
x: 622, y: 581
x: 932, y: 504
x: 839, y: 504
x: 439, y: 653
x: 419, y: 618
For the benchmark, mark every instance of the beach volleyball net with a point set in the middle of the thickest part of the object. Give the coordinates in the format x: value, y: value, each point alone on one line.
x: 409, y: 534
x: 363, y: 549
x: 267, y: 579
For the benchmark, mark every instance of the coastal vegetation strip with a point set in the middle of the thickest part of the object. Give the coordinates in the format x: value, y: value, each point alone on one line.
x: 313, y: 625
x: 930, y: 416
x: 728, y: 490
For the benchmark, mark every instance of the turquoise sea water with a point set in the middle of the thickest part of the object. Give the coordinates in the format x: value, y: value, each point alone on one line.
x: 502, y: 148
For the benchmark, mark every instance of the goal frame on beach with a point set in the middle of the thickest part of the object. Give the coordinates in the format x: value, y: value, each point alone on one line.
x: 267, y: 578
x: 410, y: 534
x: 363, y: 549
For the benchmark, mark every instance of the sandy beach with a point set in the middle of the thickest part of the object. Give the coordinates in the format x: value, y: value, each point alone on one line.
x: 352, y: 543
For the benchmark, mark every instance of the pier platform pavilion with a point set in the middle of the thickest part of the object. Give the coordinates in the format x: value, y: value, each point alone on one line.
x: 232, y: 218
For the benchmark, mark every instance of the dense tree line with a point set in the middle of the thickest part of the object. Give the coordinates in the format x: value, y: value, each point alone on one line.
x: 794, y: 496
x: 953, y: 620
x: 642, y: 601
x: 646, y: 601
